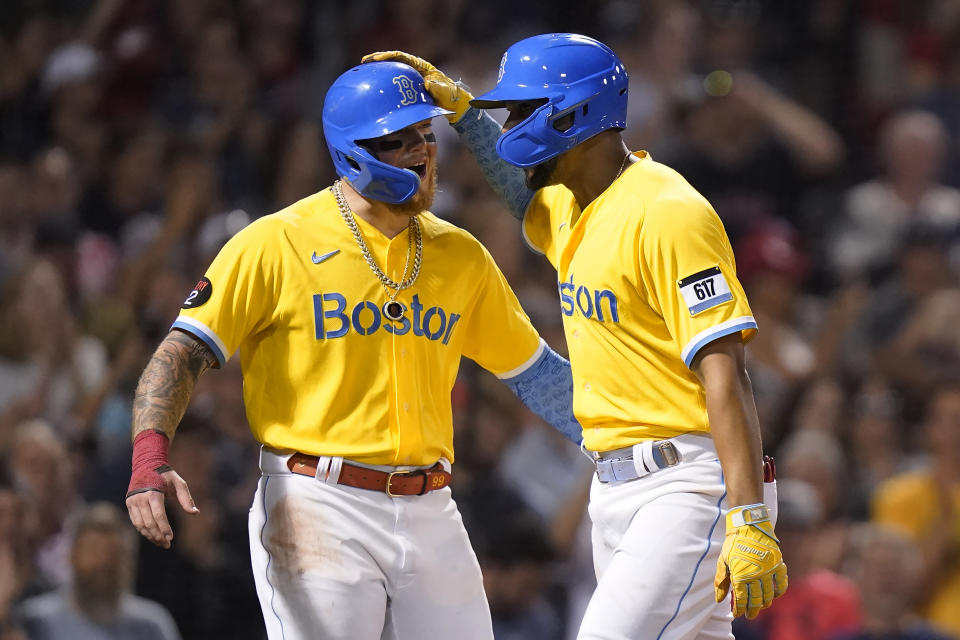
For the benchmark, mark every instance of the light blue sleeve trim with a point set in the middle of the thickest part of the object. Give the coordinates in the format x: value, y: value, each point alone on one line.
x: 713, y: 333
x: 532, y: 360
x: 479, y: 132
x: 205, y: 334
x: 546, y: 387
x: 707, y: 304
x: 526, y: 238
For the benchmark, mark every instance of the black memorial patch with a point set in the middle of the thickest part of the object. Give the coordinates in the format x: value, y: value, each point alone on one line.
x: 200, y: 294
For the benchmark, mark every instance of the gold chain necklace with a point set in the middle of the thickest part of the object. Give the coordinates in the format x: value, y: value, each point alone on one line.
x: 623, y: 165
x: 392, y: 309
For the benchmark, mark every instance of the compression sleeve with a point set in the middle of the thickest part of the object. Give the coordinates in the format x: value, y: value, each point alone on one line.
x: 479, y: 132
x: 546, y: 387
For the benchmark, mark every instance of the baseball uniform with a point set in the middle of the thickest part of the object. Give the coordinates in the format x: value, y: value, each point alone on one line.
x: 326, y: 373
x: 646, y: 278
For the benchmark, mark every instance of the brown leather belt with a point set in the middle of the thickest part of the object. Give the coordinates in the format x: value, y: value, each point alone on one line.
x: 393, y: 483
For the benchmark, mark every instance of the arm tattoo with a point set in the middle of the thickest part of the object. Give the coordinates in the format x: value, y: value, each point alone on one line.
x: 167, y: 383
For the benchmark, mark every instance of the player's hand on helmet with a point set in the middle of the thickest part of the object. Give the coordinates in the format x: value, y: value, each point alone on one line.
x: 151, y: 481
x: 445, y: 91
x: 750, y: 564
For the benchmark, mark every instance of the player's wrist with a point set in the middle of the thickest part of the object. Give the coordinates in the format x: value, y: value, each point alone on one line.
x: 747, y: 514
x: 149, y: 462
x: 457, y: 98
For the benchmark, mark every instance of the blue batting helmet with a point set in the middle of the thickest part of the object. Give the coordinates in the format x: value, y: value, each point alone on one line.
x: 576, y: 75
x: 369, y: 101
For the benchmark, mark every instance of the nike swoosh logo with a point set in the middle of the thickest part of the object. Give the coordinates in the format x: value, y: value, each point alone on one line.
x: 318, y: 259
x: 562, y: 225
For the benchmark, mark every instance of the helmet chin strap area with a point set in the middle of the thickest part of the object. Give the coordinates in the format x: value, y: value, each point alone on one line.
x: 381, y: 181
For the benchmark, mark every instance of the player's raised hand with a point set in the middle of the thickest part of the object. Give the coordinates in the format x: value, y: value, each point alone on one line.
x: 445, y: 91
x: 151, y: 480
x: 750, y: 562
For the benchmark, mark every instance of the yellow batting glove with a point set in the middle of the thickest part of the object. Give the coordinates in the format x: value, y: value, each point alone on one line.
x: 751, y: 561
x: 446, y: 92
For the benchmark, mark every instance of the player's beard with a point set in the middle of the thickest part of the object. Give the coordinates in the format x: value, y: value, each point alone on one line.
x: 541, y: 174
x: 422, y: 200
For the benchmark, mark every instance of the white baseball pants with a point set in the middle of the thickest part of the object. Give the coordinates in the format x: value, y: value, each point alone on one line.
x: 656, y: 541
x: 341, y: 563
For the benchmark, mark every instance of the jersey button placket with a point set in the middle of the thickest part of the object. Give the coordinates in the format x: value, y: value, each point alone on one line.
x: 393, y: 257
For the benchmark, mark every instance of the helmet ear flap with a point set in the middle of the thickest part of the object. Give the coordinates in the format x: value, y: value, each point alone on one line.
x: 378, y: 180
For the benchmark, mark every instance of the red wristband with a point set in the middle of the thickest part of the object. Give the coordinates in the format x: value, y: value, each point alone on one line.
x: 149, y: 461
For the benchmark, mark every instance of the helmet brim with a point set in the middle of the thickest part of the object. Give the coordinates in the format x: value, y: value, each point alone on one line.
x: 500, y: 95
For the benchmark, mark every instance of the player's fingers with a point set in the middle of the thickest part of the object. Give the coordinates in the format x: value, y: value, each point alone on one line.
x: 754, y: 599
x: 419, y: 64
x: 142, y: 516
x: 162, y: 531
x: 721, y: 581
x: 780, y: 580
x: 379, y: 55
x: 740, y: 599
x: 183, y: 494
x: 133, y: 510
x: 767, y: 588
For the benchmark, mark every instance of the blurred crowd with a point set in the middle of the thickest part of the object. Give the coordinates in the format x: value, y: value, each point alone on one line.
x: 136, y: 136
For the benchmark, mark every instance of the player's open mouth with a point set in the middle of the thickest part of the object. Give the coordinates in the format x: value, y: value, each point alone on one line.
x: 419, y: 169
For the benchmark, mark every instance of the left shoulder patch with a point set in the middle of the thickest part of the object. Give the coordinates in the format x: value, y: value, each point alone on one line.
x: 704, y: 289
x: 200, y: 294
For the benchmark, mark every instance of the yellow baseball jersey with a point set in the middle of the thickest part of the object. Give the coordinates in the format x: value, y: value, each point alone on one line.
x: 646, y: 278
x: 325, y: 371
x: 911, y: 503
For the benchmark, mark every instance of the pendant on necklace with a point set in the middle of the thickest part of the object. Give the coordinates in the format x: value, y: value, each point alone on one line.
x: 393, y: 310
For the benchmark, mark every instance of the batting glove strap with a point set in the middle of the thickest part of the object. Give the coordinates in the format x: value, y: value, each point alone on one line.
x: 445, y: 91
x: 747, y: 514
x: 149, y: 461
x: 750, y: 563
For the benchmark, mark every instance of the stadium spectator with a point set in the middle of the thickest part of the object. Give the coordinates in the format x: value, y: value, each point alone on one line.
x: 817, y: 458
x: 42, y: 469
x: 97, y: 603
x: 912, y: 146
x: 925, y: 505
x: 886, y: 567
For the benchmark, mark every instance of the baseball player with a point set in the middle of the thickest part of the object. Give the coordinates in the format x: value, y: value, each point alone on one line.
x: 655, y: 321
x: 350, y: 311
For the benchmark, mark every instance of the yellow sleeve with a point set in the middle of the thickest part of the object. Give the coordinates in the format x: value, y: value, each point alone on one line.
x: 686, y: 264
x: 237, y: 295
x: 545, y: 221
x: 536, y: 226
x: 499, y: 336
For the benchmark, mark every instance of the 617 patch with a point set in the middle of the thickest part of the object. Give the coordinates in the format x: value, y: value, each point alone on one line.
x: 704, y: 289
x: 200, y: 294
